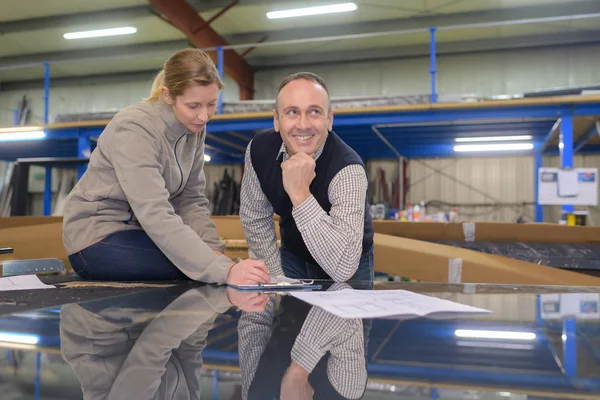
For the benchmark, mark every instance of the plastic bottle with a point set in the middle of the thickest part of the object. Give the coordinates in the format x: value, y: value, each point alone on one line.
x: 453, y: 216
x: 417, y: 213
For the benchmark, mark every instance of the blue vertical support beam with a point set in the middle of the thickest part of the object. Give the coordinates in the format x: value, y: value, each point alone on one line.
x: 83, y: 151
x: 38, y: 374
x: 538, y: 163
x: 539, y: 321
x: 16, y: 117
x: 46, y: 92
x: 220, y: 63
x: 434, y: 394
x: 566, y: 147
x: 215, y: 384
x: 433, y: 67
x: 570, y: 347
x: 48, y: 192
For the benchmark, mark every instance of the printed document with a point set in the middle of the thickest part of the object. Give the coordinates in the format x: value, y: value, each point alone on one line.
x: 23, y: 282
x: 350, y: 303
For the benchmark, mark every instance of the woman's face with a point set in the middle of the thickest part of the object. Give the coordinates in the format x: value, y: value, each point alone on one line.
x: 196, y: 106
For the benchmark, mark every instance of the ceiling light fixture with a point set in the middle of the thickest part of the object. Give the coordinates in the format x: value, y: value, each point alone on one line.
x: 318, y: 10
x: 493, y: 147
x: 492, y: 138
x: 483, y: 334
x: 19, y: 338
x: 128, y: 30
x: 16, y: 134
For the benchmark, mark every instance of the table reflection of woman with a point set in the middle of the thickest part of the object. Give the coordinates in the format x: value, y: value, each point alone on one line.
x: 136, y: 351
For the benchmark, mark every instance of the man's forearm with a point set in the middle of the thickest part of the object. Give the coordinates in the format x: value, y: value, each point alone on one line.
x: 335, y: 238
x: 262, y: 242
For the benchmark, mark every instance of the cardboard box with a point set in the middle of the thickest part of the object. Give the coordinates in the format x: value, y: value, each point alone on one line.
x: 490, y: 231
x: 431, y: 262
x: 41, y: 237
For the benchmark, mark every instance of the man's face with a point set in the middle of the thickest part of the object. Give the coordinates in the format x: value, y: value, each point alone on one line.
x: 302, y: 116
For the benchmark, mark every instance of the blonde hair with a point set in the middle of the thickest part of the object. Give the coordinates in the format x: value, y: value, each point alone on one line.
x: 185, y: 68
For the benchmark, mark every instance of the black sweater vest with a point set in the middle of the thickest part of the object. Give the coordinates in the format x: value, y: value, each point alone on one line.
x: 336, y: 155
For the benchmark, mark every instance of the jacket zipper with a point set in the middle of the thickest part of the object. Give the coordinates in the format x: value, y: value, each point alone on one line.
x: 178, y: 164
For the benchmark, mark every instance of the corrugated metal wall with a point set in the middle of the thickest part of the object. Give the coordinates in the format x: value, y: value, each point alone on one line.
x: 485, y: 74
x: 473, y: 180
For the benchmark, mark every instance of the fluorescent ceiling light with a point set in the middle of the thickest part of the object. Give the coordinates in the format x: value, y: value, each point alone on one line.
x: 492, y: 138
x: 16, y: 135
x: 19, y: 338
x: 100, y: 33
x: 206, y: 158
x: 493, y: 345
x: 493, y: 147
x: 482, y: 334
x: 303, y: 12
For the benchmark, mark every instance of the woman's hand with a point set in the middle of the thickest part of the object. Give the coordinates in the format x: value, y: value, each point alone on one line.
x: 248, y: 272
x: 247, y: 301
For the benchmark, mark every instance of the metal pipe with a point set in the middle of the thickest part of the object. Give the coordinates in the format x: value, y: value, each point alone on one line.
x: 401, y: 183
x: 38, y: 374
x: 408, y: 31
x: 433, y: 69
x: 519, y: 22
x: 587, y: 137
x: 385, y: 141
x: 538, y: 163
x: 570, y: 347
x: 83, y: 151
x: 215, y: 384
x: 48, y: 192
x: 320, y: 39
x: 551, y: 135
x: 19, y: 66
x: 220, y: 63
x: 46, y: 92
x: 566, y: 149
x: 226, y: 142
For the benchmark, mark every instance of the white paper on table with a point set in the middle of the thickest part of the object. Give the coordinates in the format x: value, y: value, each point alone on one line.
x: 23, y: 282
x: 568, y: 185
x: 350, y: 303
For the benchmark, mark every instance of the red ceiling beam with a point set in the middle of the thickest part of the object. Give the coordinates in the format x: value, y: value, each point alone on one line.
x: 182, y: 16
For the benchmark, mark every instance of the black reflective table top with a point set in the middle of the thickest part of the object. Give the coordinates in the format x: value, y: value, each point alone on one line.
x: 191, y: 341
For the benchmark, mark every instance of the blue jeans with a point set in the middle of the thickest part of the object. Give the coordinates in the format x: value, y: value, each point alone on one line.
x: 125, y: 256
x: 295, y: 267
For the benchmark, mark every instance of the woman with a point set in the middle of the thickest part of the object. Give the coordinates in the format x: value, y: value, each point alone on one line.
x: 139, y: 212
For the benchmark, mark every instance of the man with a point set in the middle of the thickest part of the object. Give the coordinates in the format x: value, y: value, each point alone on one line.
x: 306, y: 174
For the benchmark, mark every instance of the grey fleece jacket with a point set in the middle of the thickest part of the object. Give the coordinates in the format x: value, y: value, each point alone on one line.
x: 147, y: 173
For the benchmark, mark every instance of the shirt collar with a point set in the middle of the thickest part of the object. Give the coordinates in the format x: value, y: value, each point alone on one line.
x: 283, y: 152
x: 174, y: 128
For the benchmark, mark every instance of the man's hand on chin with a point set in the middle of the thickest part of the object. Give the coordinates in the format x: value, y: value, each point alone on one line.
x: 297, y: 174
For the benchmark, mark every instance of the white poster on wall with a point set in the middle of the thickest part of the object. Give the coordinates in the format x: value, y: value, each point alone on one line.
x: 578, y: 186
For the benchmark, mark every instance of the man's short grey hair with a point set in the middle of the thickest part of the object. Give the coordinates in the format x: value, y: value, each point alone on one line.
x: 307, y: 76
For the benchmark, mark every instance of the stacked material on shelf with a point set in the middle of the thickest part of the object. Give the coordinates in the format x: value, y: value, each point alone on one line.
x: 248, y: 106
x: 583, y: 256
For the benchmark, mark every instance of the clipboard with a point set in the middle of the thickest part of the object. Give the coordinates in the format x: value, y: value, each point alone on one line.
x: 278, y: 287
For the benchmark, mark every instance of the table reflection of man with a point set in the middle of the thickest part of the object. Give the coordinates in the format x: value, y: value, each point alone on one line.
x: 145, y: 347
x: 301, y: 352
